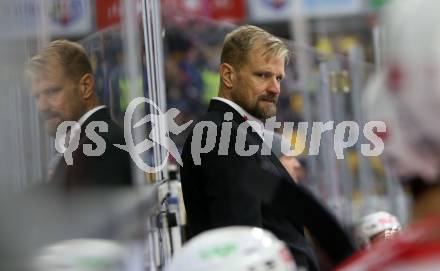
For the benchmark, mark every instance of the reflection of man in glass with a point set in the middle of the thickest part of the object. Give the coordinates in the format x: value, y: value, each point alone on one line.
x: 62, y: 84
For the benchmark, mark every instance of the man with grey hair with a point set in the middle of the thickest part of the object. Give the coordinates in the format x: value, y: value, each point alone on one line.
x: 62, y: 84
x: 228, y: 185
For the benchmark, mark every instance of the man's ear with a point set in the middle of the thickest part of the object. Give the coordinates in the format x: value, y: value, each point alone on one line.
x: 87, y: 86
x: 228, y: 75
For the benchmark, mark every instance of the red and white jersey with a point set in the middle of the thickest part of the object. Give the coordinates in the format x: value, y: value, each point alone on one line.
x: 414, y: 249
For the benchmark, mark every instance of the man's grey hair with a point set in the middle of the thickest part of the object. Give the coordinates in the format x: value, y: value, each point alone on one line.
x: 239, y: 42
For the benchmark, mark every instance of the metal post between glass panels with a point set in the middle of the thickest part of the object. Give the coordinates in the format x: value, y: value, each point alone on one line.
x: 300, y: 33
x: 153, y: 46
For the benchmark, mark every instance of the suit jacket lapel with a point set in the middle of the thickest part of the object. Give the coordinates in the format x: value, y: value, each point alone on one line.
x: 272, y: 158
x: 216, y: 105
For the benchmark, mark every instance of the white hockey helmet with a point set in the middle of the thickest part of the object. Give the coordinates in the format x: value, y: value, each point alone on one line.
x: 375, y: 224
x: 235, y: 248
x: 406, y: 91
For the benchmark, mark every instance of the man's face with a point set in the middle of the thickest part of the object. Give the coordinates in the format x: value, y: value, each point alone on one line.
x: 258, y: 84
x: 57, y: 97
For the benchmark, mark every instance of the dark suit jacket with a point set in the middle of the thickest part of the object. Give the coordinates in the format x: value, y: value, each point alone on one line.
x: 112, y: 168
x: 251, y: 190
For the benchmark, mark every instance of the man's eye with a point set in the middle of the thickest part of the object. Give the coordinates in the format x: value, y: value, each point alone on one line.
x: 279, y: 78
x: 52, y: 91
x: 262, y: 75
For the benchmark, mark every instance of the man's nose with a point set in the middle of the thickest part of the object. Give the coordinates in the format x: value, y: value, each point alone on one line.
x: 42, y: 104
x: 274, y: 86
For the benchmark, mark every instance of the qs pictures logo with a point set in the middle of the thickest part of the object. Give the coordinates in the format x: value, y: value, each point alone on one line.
x: 162, y: 125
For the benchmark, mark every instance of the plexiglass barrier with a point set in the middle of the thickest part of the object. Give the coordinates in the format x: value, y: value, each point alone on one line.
x: 44, y: 225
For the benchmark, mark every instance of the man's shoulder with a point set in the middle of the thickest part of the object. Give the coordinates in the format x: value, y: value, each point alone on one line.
x: 218, y: 117
x: 213, y: 119
x: 114, y: 133
x: 214, y: 116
